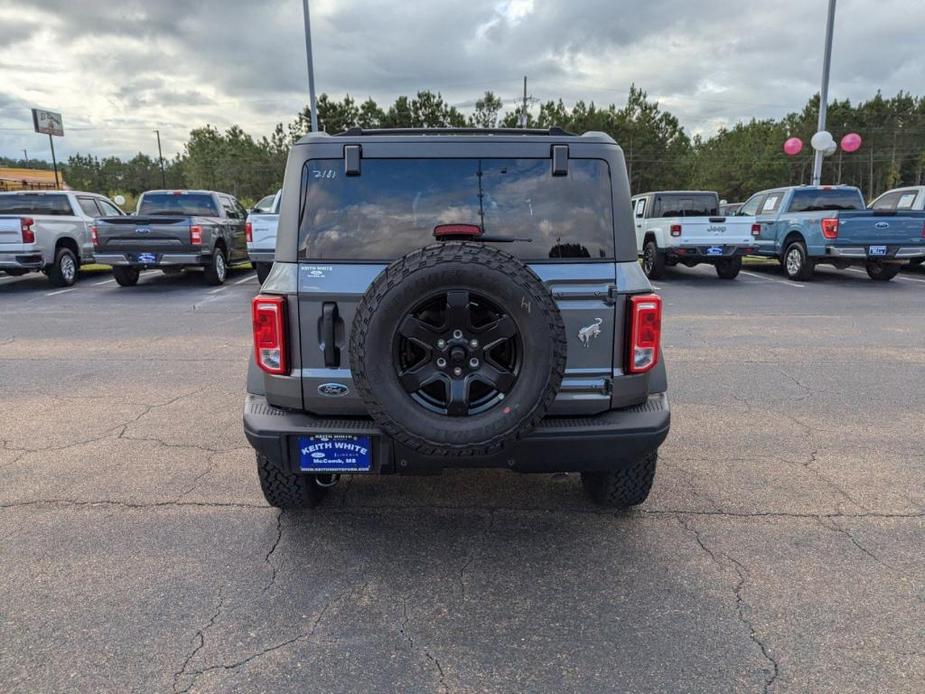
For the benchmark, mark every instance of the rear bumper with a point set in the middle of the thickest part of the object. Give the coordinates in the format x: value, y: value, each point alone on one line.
x: 558, y: 444
x: 894, y: 252
x: 703, y: 253
x: 21, y: 260
x: 261, y: 255
x: 163, y: 259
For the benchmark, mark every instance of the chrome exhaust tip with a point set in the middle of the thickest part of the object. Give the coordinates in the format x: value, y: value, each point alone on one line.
x: 326, y: 480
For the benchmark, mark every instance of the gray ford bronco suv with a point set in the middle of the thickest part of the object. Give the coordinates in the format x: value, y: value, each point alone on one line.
x: 456, y: 298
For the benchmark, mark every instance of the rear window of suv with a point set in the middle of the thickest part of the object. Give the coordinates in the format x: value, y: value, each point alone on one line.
x: 25, y: 203
x: 392, y: 208
x: 686, y: 205
x: 183, y: 204
x: 819, y: 200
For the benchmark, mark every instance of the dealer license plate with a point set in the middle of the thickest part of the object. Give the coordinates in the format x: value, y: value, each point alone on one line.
x: 146, y: 258
x: 877, y: 250
x: 335, y: 453
x: 715, y: 250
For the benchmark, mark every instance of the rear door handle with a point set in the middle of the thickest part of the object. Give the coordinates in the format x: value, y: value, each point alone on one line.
x: 329, y: 317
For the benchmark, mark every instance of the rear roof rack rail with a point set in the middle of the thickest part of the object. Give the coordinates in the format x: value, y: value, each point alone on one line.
x: 554, y: 131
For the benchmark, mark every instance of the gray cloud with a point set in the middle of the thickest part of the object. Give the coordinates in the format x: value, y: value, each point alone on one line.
x: 125, y: 67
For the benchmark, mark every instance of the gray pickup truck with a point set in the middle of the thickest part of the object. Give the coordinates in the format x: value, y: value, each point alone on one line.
x: 50, y: 232
x: 456, y: 298
x: 173, y: 230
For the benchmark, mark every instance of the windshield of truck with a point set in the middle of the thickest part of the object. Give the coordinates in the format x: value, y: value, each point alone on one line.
x: 687, y: 205
x: 35, y: 204
x: 394, y: 205
x: 821, y: 200
x: 182, y: 204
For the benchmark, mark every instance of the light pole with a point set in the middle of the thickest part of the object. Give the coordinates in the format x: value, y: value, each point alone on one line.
x: 311, y: 69
x: 160, y: 159
x: 824, y: 93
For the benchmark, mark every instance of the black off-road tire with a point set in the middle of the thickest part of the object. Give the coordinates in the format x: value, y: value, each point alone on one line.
x: 798, y: 266
x: 882, y: 272
x: 653, y: 261
x: 484, y: 271
x: 63, y: 272
x: 622, y: 488
x: 287, y: 490
x: 217, y: 269
x: 263, y: 271
x: 729, y: 268
x: 125, y: 275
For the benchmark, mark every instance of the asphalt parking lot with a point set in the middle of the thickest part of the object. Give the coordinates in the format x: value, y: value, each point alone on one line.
x: 781, y: 550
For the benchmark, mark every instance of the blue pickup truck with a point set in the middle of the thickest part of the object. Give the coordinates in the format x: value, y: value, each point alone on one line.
x: 803, y: 226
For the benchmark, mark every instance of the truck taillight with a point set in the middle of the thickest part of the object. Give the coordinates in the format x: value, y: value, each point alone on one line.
x: 756, y: 230
x: 249, y: 232
x: 25, y: 226
x: 830, y: 227
x: 195, y: 235
x: 675, y: 229
x: 269, y: 321
x: 94, y: 236
x: 645, y: 332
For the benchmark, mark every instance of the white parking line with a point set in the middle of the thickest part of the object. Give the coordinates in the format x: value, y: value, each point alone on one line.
x: 216, y: 291
x: 97, y: 284
x: 786, y: 283
x: 61, y: 291
x: 899, y: 277
x: 247, y: 279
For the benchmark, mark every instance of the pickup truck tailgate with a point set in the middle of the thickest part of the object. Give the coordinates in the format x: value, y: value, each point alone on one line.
x: 10, y: 230
x: 263, y: 230
x: 154, y: 233
x: 704, y: 231
x: 871, y: 227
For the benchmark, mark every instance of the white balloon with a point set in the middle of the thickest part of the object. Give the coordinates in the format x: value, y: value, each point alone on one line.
x: 830, y: 150
x: 822, y: 140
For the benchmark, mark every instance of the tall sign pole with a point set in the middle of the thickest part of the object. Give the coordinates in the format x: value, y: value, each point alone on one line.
x: 311, y: 69
x: 824, y: 92
x: 160, y: 158
x: 54, y: 162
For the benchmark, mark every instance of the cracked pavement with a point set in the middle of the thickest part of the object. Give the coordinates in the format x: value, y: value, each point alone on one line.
x: 781, y: 550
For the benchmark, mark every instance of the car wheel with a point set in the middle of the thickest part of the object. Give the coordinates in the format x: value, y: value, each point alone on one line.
x: 797, y: 264
x: 126, y: 276
x: 217, y: 269
x: 653, y: 262
x: 729, y: 268
x: 456, y: 349
x: 63, y: 273
x: 287, y: 490
x: 882, y: 272
x: 263, y: 271
x: 624, y: 487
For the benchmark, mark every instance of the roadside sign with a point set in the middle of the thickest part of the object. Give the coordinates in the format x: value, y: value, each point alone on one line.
x: 47, y: 122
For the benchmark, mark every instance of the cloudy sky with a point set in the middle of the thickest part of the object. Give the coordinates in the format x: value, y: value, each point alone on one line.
x: 118, y: 69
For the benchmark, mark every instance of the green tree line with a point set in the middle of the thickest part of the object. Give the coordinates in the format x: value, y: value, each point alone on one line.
x: 735, y: 161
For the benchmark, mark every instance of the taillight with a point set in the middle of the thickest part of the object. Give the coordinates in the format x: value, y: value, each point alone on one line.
x: 195, y: 235
x: 249, y: 232
x: 675, y: 229
x: 94, y: 236
x: 268, y: 313
x: 830, y: 227
x: 25, y: 226
x: 756, y: 230
x: 645, y: 333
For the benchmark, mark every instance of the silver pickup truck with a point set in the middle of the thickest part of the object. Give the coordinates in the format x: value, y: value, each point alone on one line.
x: 50, y: 232
x: 173, y: 230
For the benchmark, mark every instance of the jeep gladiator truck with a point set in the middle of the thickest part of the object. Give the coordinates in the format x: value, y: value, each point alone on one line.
x: 803, y: 226
x: 173, y: 230
x: 456, y: 298
x: 49, y: 232
x: 260, y: 230
x: 686, y: 227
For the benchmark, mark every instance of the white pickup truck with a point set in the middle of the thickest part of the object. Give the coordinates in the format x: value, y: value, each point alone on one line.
x: 50, y: 232
x: 260, y: 230
x: 685, y: 227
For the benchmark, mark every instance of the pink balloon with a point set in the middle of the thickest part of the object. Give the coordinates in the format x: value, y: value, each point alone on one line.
x: 793, y: 146
x: 851, y: 142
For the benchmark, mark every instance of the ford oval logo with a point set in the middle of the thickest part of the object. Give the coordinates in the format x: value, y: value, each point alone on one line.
x: 142, y: 230
x: 882, y: 225
x: 333, y: 390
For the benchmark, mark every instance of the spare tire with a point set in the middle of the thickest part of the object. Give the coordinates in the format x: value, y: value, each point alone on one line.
x: 457, y: 348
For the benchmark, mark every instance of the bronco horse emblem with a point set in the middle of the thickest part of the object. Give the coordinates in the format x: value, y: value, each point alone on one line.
x: 589, y: 332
